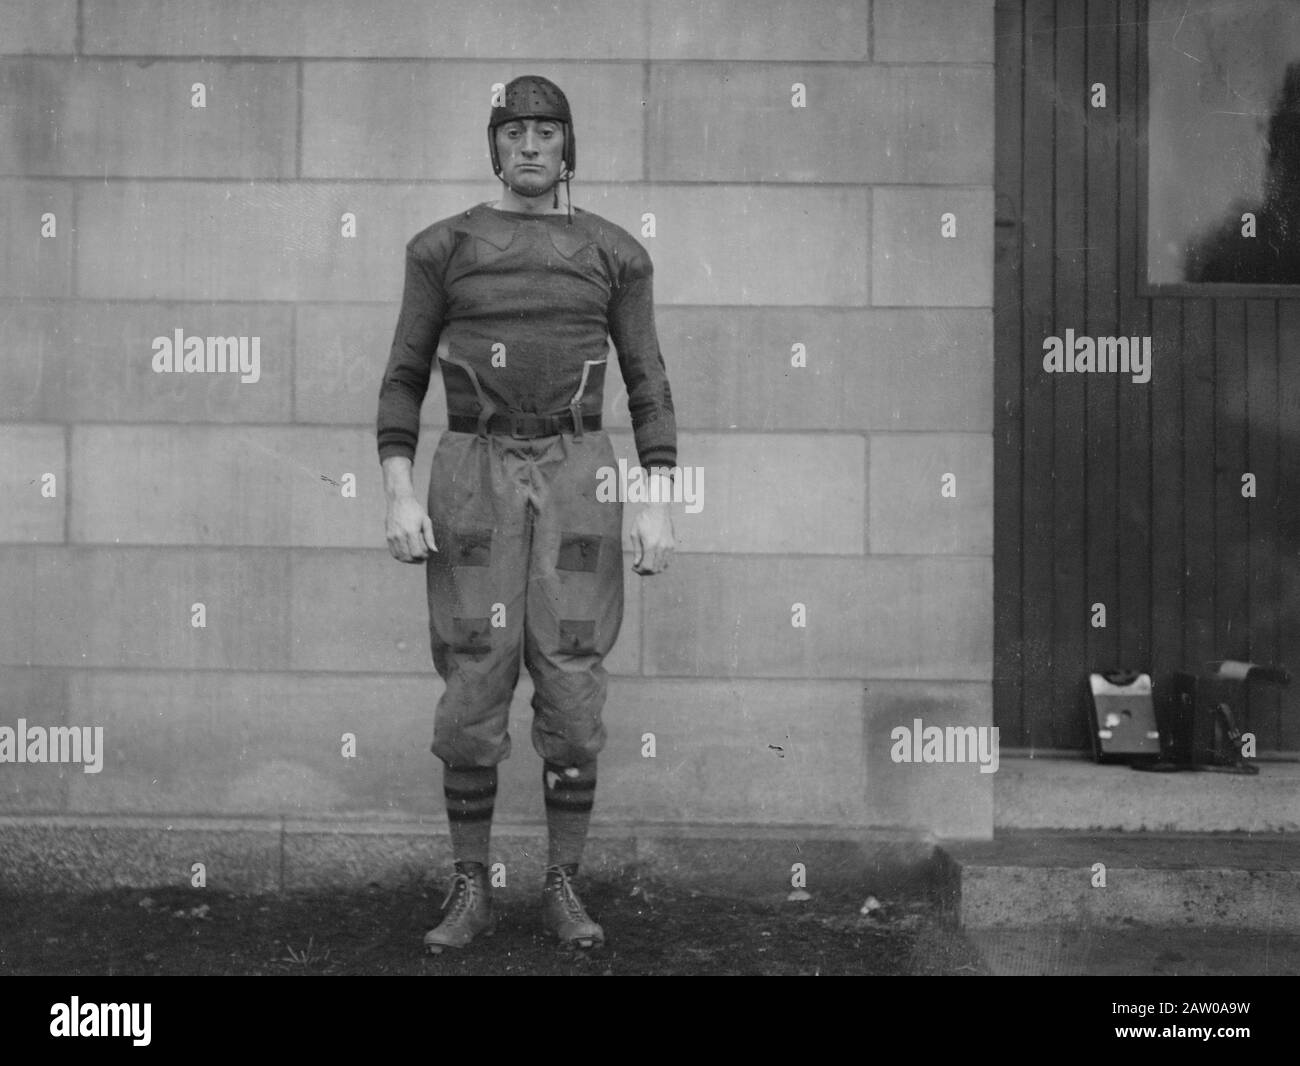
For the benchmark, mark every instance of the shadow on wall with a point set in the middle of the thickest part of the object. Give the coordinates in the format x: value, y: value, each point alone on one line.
x: 1275, y: 604
x: 1266, y: 575
x: 1272, y: 255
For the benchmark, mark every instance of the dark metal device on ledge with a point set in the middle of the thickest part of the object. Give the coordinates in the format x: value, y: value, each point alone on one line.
x: 1205, y: 715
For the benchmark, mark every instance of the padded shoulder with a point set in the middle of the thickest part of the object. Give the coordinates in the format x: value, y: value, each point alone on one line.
x: 624, y: 251
x: 434, y: 243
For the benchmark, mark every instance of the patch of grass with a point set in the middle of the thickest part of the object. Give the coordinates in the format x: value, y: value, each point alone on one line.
x: 652, y: 927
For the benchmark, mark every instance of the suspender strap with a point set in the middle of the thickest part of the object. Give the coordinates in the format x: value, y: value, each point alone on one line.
x: 486, y: 408
x: 520, y: 424
x: 575, y: 405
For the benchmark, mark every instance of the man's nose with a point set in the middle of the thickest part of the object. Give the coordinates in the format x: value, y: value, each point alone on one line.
x: 530, y: 144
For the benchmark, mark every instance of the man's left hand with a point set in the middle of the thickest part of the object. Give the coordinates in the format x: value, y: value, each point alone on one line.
x: 652, y: 539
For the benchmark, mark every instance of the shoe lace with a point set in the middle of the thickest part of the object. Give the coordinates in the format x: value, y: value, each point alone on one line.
x: 462, y: 889
x: 568, y: 896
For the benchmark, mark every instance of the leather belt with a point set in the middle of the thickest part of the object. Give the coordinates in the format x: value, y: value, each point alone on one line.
x: 522, y: 426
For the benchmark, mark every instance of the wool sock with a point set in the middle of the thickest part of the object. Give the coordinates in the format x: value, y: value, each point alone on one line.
x: 470, y: 792
x: 569, y: 792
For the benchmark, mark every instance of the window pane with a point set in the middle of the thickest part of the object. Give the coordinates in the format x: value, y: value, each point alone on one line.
x: 1223, y: 192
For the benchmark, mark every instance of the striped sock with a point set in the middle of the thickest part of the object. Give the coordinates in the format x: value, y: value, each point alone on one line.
x: 569, y: 792
x: 470, y: 792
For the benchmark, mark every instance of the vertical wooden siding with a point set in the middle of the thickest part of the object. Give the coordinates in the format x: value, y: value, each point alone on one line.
x: 1109, y: 491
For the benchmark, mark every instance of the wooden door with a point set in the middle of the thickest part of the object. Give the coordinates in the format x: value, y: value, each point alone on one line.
x: 1110, y: 492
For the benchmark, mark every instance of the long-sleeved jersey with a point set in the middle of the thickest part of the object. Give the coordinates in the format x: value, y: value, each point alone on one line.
x: 529, y: 303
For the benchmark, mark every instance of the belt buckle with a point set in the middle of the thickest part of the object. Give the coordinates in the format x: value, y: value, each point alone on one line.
x: 516, y: 421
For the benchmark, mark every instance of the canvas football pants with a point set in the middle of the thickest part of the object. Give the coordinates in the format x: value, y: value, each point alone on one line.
x: 529, y: 563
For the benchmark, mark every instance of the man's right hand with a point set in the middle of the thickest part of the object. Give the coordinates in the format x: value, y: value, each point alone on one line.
x: 409, y: 530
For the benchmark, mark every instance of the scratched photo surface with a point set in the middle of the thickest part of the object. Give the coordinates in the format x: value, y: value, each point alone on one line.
x: 649, y: 487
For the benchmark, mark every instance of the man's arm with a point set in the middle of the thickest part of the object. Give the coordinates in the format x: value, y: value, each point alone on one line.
x: 406, y: 380
x: 650, y: 402
x: 632, y: 329
x: 410, y: 360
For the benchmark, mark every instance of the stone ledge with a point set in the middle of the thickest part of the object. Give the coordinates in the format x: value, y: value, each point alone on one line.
x: 1074, y: 793
x: 70, y: 854
x: 62, y: 853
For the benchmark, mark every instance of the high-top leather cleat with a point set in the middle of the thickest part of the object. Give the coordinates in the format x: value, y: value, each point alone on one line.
x: 563, y: 914
x: 467, y: 910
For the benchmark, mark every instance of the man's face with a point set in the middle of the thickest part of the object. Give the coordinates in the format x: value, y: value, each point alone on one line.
x: 531, y: 151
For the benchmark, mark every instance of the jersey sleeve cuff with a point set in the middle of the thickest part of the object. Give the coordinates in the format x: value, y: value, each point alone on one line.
x: 663, y: 459
x: 388, y: 450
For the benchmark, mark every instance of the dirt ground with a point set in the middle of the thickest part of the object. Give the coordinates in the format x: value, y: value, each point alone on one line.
x: 653, y: 928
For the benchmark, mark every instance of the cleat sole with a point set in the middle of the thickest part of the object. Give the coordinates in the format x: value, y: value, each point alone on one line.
x: 583, y: 943
x: 438, y: 949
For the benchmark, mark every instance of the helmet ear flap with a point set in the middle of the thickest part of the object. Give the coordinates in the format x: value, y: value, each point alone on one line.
x: 492, y: 150
x: 570, y: 149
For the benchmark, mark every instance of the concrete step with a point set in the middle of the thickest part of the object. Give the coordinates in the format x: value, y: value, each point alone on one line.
x: 1241, y: 881
x: 1135, y: 951
x: 1072, y: 792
